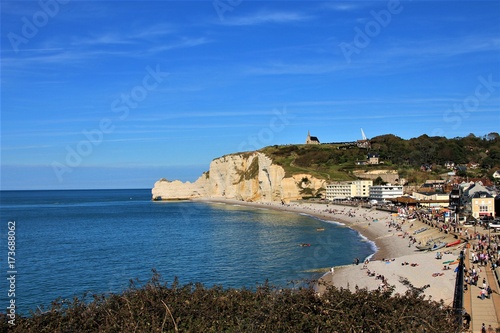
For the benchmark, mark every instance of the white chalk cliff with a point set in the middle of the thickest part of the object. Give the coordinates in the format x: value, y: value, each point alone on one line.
x: 245, y: 176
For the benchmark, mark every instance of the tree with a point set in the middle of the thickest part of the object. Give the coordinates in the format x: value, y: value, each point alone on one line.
x: 379, y: 181
x: 493, y: 136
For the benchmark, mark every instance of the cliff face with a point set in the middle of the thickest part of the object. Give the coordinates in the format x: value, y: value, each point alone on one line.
x: 246, y: 176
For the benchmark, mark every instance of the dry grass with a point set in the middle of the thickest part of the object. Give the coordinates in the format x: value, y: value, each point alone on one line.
x: 159, y: 307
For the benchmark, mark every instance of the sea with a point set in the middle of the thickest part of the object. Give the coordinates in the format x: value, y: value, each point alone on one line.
x: 74, y: 243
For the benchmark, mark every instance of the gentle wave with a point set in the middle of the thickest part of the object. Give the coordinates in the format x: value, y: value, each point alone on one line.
x: 372, y: 244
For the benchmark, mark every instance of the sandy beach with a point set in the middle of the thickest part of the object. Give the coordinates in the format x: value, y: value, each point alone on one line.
x: 396, y: 258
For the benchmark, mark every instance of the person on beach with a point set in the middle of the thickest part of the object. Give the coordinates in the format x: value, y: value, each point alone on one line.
x: 482, y: 293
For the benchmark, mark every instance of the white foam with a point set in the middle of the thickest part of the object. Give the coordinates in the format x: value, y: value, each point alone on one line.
x: 372, y: 244
x: 326, y: 221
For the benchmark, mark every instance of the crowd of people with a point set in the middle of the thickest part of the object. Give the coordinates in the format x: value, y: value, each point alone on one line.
x: 484, y: 245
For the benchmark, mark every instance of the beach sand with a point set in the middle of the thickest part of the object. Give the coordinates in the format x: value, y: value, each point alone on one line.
x: 391, y: 246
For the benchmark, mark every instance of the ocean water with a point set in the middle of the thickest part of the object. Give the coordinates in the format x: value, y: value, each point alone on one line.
x: 72, y: 242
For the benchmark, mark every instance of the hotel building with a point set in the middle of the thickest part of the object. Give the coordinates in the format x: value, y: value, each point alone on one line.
x: 348, y: 189
x: 384, y: 192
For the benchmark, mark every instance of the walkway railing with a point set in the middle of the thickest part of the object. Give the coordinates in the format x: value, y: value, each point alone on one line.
x: 458, y: 297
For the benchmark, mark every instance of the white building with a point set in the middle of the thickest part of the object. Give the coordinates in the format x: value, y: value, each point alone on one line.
x: 478, y: 208
x: 432, y: 199
x: 338, y: 190
x: 362, y: 188
x: 348, y: 189
x: 384, y: 192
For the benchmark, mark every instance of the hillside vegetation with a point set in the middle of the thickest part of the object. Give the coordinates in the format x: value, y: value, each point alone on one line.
x: 336, y: 162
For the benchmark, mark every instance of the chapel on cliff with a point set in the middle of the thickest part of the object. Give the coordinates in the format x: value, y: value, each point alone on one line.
x: 311, y: 140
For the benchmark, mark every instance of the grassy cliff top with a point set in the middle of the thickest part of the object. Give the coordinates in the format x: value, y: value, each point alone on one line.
x: 337, y: 162
x: 322, y: 161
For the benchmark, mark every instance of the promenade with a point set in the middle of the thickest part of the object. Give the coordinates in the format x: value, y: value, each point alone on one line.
x: 483, y: 311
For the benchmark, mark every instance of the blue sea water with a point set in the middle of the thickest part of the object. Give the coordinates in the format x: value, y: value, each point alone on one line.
x: 72, y: 242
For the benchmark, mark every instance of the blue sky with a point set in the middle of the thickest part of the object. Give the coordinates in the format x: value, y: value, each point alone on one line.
x: 118, y: 94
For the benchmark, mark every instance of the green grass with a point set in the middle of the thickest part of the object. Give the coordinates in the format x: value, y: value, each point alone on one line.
x: 319, y: 161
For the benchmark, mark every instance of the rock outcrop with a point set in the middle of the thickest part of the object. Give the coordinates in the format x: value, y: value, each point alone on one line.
x: 244, y: 176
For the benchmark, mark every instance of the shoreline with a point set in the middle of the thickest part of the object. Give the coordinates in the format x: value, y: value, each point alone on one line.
x: 394, y: 254
x: 355, y: 218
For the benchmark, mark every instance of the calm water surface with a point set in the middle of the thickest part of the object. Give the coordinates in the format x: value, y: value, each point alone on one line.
x: 71, y: 242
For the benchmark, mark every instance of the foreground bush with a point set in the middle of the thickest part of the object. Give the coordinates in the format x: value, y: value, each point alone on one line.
x: 158, y: 307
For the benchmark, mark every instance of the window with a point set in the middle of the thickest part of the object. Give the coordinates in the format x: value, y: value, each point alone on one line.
x: 483, y: 208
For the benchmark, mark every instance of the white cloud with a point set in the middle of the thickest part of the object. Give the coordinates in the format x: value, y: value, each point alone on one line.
x: 280, y: 68
x: 444, y: 47
x: 184, y: 42
x: 343, y: 6
x: 267, y: 17
x: 104, y: 39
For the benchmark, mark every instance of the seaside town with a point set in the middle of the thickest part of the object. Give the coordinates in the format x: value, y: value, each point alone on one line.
x: 470, y: 200
x: 420, y: 242
x: 422, y: 233
x: 423, y: 242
